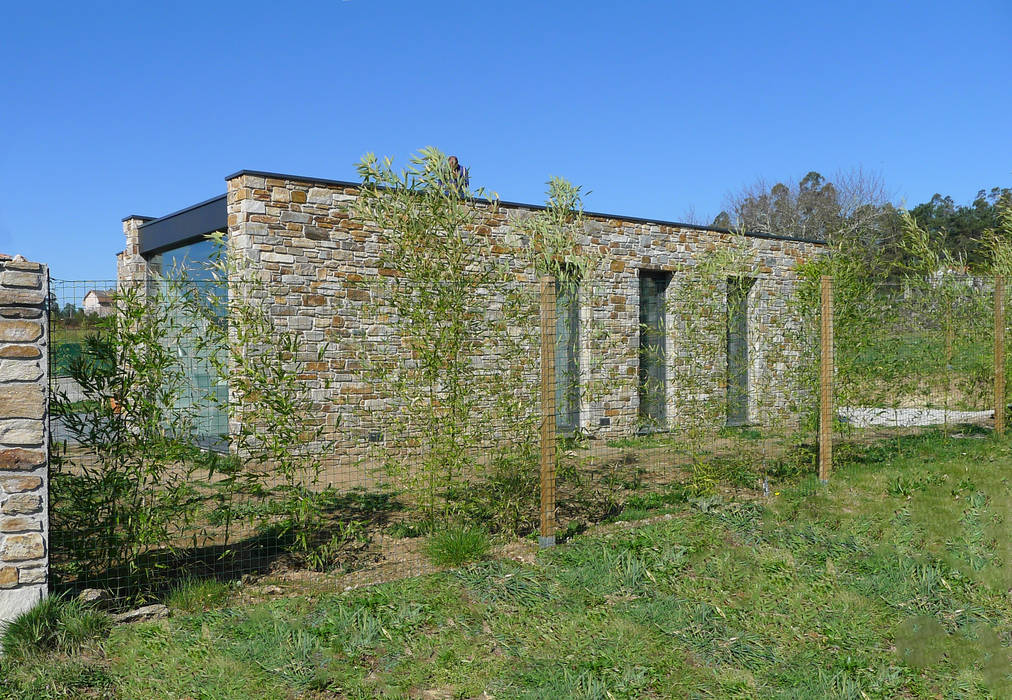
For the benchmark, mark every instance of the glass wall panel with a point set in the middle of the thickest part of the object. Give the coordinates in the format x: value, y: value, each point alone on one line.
x: 205, y: 395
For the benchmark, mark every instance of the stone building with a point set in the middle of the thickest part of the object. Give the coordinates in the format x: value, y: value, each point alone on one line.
x: 300, y: 234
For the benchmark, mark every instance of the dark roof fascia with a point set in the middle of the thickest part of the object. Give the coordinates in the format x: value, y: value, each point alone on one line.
x: 138, y: 216
x: 184, y: 226
x: 541, y: 207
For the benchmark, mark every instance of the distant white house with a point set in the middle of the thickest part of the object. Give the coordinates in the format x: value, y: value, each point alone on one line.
x: 98, y: 301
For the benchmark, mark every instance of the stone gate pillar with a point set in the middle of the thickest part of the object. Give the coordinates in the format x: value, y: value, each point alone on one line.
x: 24, y: 438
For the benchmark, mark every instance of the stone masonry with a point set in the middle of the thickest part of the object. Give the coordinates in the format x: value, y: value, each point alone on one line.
x: 313, y: 254
x: 24, y: 495
x: 311, y: 251
x: 130, y: 264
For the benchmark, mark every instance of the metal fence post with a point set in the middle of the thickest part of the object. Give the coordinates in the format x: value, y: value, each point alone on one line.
x: 826, y: 382
x: 548, y: 450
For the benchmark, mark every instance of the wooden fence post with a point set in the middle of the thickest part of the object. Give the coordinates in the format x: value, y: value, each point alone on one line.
x: 948, y: 361
x: 826, y: 382
x: 548, y: 449
x: 999, y: 356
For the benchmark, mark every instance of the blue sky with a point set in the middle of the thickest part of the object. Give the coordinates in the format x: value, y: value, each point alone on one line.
x: 659, y: 109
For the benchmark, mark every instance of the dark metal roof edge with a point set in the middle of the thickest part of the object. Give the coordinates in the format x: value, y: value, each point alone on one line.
x: 221, y: 197
x: 138, y: 216
x: 541, y: 207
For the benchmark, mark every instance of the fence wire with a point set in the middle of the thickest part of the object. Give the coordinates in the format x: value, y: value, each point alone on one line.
x: 373, y: 430
x: 917, y: 355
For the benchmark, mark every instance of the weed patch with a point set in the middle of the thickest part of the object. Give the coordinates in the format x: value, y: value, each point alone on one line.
x: 457, y: 545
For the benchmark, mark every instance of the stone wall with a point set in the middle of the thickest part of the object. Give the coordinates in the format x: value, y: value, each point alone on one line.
x: 24, y: 495
x: 312, y: 255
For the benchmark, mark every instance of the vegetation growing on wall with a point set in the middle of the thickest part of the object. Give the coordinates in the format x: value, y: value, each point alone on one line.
x: 134, y: 490
x: 138, y: 481
x: 458, y: 394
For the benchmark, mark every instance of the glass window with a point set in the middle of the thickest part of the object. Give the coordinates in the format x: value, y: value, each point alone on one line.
x: 737, y: 350
x: 567, y: 354
x: 192, y: 257
x: 653, y: 350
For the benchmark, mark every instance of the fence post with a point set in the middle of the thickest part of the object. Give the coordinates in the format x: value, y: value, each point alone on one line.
x: 826, y: 382
x: 548, y: 452
x: 999, y: 355
x: 948, y: 361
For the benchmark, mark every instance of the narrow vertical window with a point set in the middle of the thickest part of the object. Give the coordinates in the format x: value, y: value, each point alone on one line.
x: 653, y: 350
x: 737, y: 350
x: 567, y: 355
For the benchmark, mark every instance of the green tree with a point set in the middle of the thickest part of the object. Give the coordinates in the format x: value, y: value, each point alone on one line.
x: 962, y: 230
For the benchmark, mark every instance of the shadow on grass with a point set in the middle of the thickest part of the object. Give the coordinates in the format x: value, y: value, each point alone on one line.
x: 349, y: 520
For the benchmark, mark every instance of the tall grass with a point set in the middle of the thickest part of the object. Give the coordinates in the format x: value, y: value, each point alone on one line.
x: 55, y: 624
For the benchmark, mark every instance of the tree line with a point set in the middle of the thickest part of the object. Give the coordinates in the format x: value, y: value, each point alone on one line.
x: 855, y: 214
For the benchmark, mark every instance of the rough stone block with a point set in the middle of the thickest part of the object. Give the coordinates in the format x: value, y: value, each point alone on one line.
x: 19, y: 263
x: 21, y: 296
x: 155, y: 611
x: 20, y: 312
x: 21, y: 400
x: 19, y: 331
x: 295, y: 217
x: 320, y: 195
x: 8, y: 577
x: 33, y: 574
x: 22, y: 547
x: 16, y: 278
x: 19, y: 523
x: 18, y: 459
x: 22, y: 504
x: 20, y: 484
x: 21, y: 432
x: 19, y: 371
x: 21, y: 352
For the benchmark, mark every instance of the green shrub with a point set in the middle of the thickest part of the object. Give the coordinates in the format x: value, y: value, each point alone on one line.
x: 457, y: 546
x: 55, y: 624
x: 506, y: 497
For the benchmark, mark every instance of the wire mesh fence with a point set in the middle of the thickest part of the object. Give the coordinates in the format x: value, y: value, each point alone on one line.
x: 378, y: 429
x: 920, y: 354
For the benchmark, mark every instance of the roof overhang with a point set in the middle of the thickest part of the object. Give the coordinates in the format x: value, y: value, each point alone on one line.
x: 184, y: 226
x: 194, y: 222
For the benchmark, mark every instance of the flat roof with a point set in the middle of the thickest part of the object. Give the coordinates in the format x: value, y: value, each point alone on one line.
x: 196, y: 221
x: 184, y: 226
x: 541, y: 207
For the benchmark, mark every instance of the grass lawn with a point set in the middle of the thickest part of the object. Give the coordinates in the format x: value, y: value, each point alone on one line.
x: 892, y: 581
